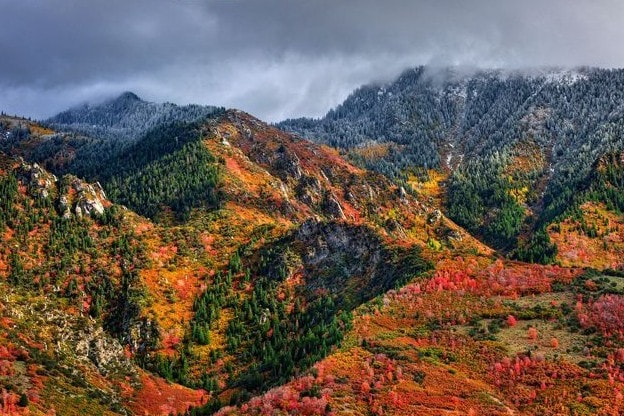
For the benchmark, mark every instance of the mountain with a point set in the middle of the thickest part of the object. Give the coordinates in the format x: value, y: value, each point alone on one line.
x: 79, y: 140
x: 516, y: 145
x: 126, y: 117
x: 271, y: 228
x: 70, y: 315
x: 222, y: 265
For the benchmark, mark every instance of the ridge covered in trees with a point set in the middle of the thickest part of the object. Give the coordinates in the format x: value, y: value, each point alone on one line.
x: 267, y: 274
x: 518, y: 144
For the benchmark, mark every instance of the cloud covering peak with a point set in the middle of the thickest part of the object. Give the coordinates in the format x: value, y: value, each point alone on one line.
x: 278, y: 58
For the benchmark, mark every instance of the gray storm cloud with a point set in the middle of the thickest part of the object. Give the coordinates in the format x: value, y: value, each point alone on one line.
x: 278, y: 58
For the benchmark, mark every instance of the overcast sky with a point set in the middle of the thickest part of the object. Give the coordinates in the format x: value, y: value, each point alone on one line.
x: 278, y: 58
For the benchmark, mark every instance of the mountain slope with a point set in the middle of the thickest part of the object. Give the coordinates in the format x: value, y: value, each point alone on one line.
x: 293, y: 282
x: 589, y: 232
x: 71, y: 309
x: 125, y: 117
x: 77, y: 140
x: 299, y: 238
x: 518, y: 144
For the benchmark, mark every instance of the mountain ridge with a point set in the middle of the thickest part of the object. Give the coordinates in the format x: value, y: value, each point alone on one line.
x: 475, y: 127
x: 270, y: 273
x: 331, y: 216
x: 125, y: 117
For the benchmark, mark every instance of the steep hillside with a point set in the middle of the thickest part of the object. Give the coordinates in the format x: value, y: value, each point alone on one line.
x: 256, y: 285
x: 80, y: 139
x: 310, y: 237
x: 267, y: 274
x: 477, y: 337
x: 72, y: 309
x: 518, y: 144
x: 589, y: 232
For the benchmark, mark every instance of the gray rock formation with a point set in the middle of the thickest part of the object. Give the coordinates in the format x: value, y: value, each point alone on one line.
x: 40, y: 183
x: 333, y: 208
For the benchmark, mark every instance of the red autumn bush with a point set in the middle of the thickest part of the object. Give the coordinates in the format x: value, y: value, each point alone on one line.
x: 284, y: 400
x: 606, y: 314
x: 532, y: 333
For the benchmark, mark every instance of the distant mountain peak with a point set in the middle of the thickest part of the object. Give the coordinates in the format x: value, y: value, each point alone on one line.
x: 128, y: 96
x: 125, y: 117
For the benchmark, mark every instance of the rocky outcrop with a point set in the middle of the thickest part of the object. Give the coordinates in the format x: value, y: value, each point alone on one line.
x: 434, y: 217
x: 455, y: 235
x: 395, y: 228
x: 88, y: 198
x: 403, y: 195
x: 351, y: 261
x: 326, y: 239
x: 40, y: 183
x: 309, y: 190
x: 75, y: 197
x: 333, y: 208
x: 286, y: 164
x: 99, y: 348
x: 64, y: 206
x: 71, y: 338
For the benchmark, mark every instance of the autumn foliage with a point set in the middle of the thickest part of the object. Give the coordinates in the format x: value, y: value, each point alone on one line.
x: 606, y: 314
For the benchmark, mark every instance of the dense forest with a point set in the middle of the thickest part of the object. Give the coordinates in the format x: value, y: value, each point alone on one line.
x: 124, y: 118
x: 147, y: 156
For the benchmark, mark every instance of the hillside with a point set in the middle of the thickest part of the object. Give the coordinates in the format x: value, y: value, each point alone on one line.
x: 516, y: 145
x: 299, y: 238
x: 71, y: 312
x: 82, y: 138
x: 125, y: 117
x: 224, y: 265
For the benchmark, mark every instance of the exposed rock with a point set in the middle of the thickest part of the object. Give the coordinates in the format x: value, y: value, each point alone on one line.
x: 371, y: 193
x: 324, y: 176
x: 434, y: 217
x: 89, y: 206
x: 309, y: 190
x: 99, y: 190
x: 78, y: 338
x: 287, y: 164
x: 403, y: 195
x: 95, y: 345
x: 333, y: 207
x: 455, y: 235
x: 64, y: 207
x: 88, y: 198
x: 40, y: 183
x: 284, y: 191
x: 247, y: 133
x: 348, y: 260
x: 309, y: 227
x: 395, y: 228
x: 325, y: 239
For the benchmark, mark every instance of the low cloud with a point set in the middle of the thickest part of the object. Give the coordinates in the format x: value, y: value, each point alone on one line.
x: 278, y: 58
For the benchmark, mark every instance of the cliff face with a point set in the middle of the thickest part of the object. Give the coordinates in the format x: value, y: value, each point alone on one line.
x: 352, y: 262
